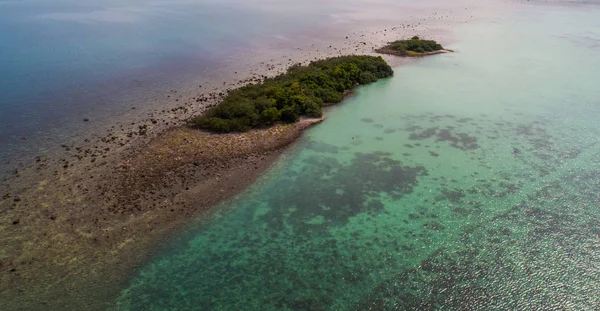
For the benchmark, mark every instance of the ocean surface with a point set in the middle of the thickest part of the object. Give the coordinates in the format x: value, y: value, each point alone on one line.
x: 468, y: 181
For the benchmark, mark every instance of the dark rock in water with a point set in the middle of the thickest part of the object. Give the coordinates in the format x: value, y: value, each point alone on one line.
x: 428, y: 133
x: 323, y: 147
x: 516, y: 151
x: 434, y: 226
x: 461, y: 141
x: 453, y: 196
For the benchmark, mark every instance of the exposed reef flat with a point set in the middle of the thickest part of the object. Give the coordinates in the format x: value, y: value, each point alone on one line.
x: 71, y: 241
x: 194, y: 165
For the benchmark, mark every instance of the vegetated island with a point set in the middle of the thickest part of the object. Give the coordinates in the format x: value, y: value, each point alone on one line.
x: 302, y: 91
x: 414, y: 47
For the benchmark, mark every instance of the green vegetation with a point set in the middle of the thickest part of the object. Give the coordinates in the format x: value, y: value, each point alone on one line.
x: 413, y: 47
x: 302, y: 91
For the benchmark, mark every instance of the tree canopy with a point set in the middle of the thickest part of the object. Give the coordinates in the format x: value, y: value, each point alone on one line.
x: 413, y: 46
x: 301, y: 91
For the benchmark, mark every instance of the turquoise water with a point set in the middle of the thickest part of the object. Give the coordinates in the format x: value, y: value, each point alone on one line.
x: 469, y: 181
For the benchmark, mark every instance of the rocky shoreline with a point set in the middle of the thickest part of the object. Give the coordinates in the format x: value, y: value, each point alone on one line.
x: 389, y: 51
x: 396, y: 53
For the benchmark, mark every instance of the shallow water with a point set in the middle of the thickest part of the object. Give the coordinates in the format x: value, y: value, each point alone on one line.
x: 466, y: 182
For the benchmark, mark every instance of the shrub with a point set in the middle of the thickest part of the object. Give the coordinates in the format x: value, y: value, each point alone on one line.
x: 290, y: 114
x: 367, y: 77
x: 270, y: 116
x: 415, y: 44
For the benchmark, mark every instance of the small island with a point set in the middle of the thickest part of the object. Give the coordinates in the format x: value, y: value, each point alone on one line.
x: 414, y: 47
x: 300, y: 92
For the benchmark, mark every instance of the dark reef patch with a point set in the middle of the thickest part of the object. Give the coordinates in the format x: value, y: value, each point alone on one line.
x: 322, y: 147
x: 460, y: 141
x: 454, y: 195
x: 343, y: 190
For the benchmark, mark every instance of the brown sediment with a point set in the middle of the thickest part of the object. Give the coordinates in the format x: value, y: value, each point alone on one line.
x: 71, y: 240
x: 169, y: 160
